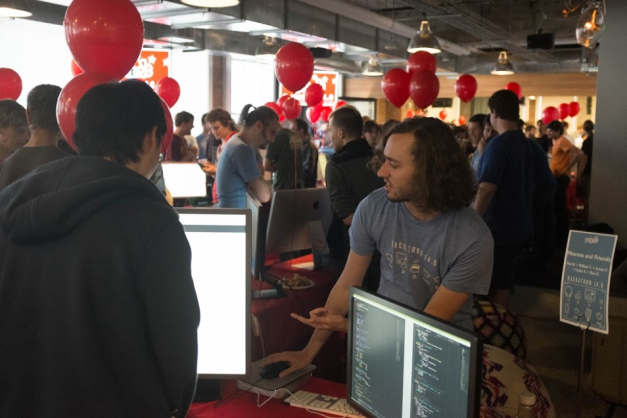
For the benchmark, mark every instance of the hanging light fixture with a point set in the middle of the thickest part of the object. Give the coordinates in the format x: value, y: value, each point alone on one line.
x: 372, y: 68
x: 14, y: 8
x: 424, y: 40
x: 211, y: 3
x: 591, y: 24
x: 503, y: 65
x: 268, y: 47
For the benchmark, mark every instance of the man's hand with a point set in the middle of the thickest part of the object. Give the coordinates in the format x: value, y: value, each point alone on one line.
x: 297, y: 360
x: 208, y: 168
x: 320, y: 318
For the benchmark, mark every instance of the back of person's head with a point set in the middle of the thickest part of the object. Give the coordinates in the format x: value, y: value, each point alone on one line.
x: 389, y: 124
x: 12, y: 114
x: 220, y: 115
x: 556, y: 126
x: 204, y: 119
x: 112, y: 120
x: 505, y: 105
x: 520, y: 124
x: 529, y: 128
x: 349, y: 120
x: 565, y: 125
x: 248, y: 118
x: 301, y: 125
x: 41, y: 104
x: 459, y: 131
x: 183, y: 117
x: 588, y: 127
x: 371, y: 126
x: 478, y: 118
x: 443, y: 178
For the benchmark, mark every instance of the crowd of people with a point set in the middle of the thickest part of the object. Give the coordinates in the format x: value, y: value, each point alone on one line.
x: 96, y: 293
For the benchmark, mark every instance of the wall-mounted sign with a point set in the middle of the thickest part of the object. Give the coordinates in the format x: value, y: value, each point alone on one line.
x: 586, y: 280
x: 151, y: 66
x: 330, y: 82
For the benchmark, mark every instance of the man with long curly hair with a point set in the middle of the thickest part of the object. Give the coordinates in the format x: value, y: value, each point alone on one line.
x: 435, y: 250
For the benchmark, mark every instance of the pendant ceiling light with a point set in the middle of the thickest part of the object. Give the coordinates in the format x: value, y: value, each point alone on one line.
x: 424, y: 40
x: 503, y: 65
x: 14, y: 8
x: 268, y: 47
x: 211, y: 3
x: 372, y: 68
x: 591, y: 24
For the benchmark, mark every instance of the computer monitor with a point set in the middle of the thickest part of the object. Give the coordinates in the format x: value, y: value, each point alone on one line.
x: 220, y: 242
x: 299, y: 220
x: 184, y: 179
x: 403, y: 363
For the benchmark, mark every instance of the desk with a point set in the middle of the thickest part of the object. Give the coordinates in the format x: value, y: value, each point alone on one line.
x: 504, y: 376
x: 280, y: 332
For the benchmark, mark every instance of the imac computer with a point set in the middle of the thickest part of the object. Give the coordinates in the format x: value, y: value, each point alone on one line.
x: 299, y: 220
x: 403, y: 363
x: 258, y: 262
x: 220, y: 242
x: 184, y: 180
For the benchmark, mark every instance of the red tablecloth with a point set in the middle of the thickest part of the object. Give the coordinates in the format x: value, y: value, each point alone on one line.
x: 245, y: 405
x: 280, y: 332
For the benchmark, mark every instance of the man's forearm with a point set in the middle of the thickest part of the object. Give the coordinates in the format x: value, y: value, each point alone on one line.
x: 484, y: 196
x: 337, y: 303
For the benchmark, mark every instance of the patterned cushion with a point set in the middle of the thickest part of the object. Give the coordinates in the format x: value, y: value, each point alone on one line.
x: 499, y: 327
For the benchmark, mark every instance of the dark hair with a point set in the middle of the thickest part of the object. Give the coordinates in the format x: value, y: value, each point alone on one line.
x: 12, y: 114
x: 371, y: 126
x: 220, y: 115
x: 565, y: 124
x: 520, y: 124
x: 505, y: 105
x: 42, y: 106
x: 459, y: 130
x: 349, y: 119
x: 113, y: 119
x: 529, y: 128
x: 557, y: 126
x: 478, y: 118
x: 388, y: 125
x: 301, y: 125
x: 262, y: 114
x: 588, y: 126
x: 183, y: 117
x: 487, y: 121
x: 204, y: 119
x: 444, y: 180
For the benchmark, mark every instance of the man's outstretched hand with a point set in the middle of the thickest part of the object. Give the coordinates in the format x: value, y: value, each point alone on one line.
x: 320, y: 318
x: 297, y: 360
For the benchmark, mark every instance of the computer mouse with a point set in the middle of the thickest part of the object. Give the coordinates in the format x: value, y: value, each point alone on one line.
x: 272, y: 370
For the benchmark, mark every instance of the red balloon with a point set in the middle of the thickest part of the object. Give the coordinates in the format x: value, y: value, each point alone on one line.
x: 466, y: 87
x: 574, y: 109
x: 410, y: 114
x: 76, y: 70
x: 339, y: 104
x: 419, y: 112
x: 550, y: 114
x: 443, y: 114
x: 421, y: 61
x: 107, y: 39
x: 424, y: 88
x: 325, y: 113
x: 564, y: 110
x: 169, y: 90
x: 313, y: 114
x: 462, y: 120
x: 281, y: 117
x: 314, y: 94
x: 294, y: 66
x: 10, y: 84
x: 166, y: 141
x: 282, y: 100
x: 274, y: 107
x: 291, y: 108
x: 515, y: 87
x: 395, y: 86
x: 69, y: 97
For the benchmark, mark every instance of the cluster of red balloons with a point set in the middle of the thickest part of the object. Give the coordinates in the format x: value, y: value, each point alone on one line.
x: 293, y: 66
x: 564, y: 110
x: 419, y: 81
x: 10, y: 84
x: 105, y: 43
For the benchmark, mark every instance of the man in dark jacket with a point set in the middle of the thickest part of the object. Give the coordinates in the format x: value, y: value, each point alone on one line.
x: 349, y: 180
x: 98, y: 312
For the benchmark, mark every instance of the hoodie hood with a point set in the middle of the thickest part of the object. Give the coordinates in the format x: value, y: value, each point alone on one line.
x: 52, y: 200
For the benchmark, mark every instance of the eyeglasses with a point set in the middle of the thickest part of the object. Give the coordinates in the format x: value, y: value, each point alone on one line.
x: 161, y: 157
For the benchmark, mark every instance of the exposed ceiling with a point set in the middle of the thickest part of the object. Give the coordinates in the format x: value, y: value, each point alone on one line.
x: 347, y: 33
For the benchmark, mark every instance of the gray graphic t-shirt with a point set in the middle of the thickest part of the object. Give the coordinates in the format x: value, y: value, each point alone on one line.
x: 455, y: 250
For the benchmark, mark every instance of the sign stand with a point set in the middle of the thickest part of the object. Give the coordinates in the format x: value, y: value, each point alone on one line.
x: 582, y: 360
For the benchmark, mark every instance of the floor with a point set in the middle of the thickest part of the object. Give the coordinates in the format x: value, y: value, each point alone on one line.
x: 554, y: 350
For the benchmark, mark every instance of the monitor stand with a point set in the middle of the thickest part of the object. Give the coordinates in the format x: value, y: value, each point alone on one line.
x: 208, y: 390
x: 319, y: 246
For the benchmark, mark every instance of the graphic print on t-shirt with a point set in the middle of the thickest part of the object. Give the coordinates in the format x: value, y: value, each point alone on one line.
x: 409, y: 260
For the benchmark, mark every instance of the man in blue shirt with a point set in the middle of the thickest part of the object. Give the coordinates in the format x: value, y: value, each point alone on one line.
x: 504, y: 198
x: 238, y: 171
